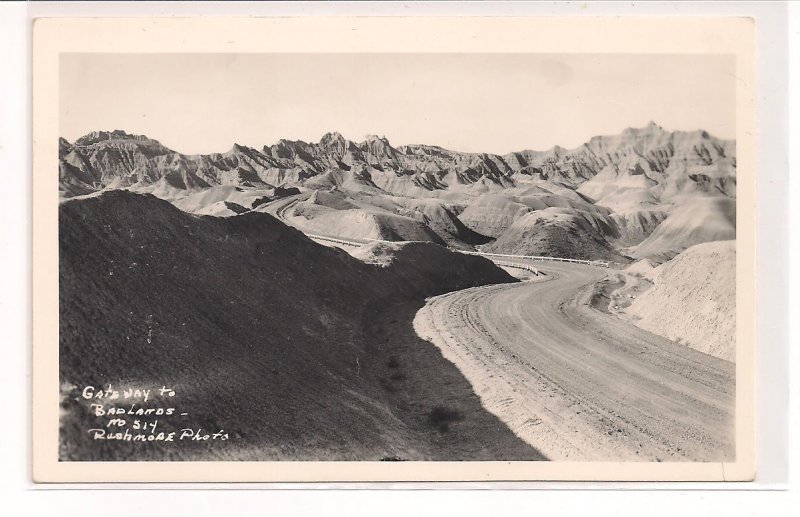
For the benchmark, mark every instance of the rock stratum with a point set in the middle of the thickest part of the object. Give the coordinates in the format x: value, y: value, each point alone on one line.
x: 644, y: 193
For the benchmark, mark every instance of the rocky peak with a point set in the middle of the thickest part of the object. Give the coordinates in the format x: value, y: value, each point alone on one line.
x: 376, y: 138
x: 378, y: 146
x: 283, y: 142
x: 334, y: 144
x: 101, y: 136
x: 332, y: 139
x: 650, y: 129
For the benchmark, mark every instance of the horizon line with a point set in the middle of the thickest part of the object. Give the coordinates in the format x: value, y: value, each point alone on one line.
x: 395, y: 146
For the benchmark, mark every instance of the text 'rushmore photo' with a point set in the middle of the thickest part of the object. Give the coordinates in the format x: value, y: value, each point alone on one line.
x: 397, y: 257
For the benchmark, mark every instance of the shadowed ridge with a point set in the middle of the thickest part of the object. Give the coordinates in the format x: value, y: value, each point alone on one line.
x: 263, y: 333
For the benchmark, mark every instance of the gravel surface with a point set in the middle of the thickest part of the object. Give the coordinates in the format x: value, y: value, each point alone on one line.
x: 579, y: 384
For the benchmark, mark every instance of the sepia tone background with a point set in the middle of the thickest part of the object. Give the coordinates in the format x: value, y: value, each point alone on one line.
x: 201, y: 103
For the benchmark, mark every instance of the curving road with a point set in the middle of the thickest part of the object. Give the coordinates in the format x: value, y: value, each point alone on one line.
x: 576, y: 383
x: 579, y: 384
x: 280, y: 207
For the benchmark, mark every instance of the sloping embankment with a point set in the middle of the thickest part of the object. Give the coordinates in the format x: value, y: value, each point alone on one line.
x: 296, y: 350
x: 693, y: 300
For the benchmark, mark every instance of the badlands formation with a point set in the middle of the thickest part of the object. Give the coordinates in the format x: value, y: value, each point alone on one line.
x: 702, y: 279
x: 201, y: 254
x: 644, y: 193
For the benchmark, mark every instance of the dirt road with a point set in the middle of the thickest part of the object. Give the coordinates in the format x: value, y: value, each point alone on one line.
x: 280, y: 209
x: 579, y: 384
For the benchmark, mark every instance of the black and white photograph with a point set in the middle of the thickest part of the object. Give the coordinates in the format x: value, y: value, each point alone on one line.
x: 520, y: 258
x: 397, y: 257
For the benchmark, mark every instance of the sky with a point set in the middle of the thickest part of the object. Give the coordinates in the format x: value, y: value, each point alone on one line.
x: 496, y: 103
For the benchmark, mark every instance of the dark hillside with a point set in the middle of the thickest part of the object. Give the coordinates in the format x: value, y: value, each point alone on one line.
x: 263, y: 333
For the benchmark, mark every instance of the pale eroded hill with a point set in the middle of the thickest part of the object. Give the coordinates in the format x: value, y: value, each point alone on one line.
x: 696, y: 221
x: 693, y: 300
x: 559, y: 232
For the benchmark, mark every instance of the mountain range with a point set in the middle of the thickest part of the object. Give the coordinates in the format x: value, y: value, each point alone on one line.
x: 603, y: 199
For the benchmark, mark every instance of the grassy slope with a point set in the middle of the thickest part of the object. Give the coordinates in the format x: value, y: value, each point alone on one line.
x: 262, y: 333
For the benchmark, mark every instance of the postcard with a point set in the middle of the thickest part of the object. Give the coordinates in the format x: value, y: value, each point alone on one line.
x: 393, y: 249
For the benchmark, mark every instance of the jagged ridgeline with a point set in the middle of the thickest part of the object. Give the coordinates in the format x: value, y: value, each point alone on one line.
x: 601, y: 200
